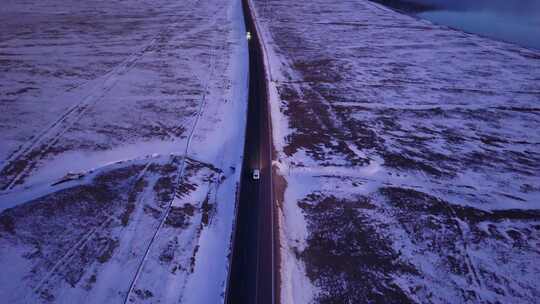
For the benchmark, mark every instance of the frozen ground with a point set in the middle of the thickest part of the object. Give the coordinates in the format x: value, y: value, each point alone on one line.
x: 410, y: 157
x: 121, y: 134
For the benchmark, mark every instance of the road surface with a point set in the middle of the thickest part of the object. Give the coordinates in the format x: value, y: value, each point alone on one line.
x: 252, y: 278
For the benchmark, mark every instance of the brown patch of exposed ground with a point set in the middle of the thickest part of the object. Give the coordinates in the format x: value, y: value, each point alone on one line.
x: 178, y: 217
x: 350, y: 255
x: 78, y: 217
x: 347, y: 257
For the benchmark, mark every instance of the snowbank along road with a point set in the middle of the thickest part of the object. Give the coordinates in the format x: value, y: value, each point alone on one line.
x: 408, y: 155
x: 121, y: 139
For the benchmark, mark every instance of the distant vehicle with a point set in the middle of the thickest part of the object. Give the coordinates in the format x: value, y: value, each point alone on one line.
x: 256, y: 174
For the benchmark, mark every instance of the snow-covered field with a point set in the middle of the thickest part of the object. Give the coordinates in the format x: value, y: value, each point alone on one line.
x: 121, y: 139
x: 410, y: 157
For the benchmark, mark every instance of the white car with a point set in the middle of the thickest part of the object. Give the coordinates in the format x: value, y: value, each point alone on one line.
x: 256, y: 174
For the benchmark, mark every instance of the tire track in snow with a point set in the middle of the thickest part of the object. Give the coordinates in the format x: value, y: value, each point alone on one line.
x: 180, y: 175
x: 33, y: 150
x: 474, y: 272
x: 66, y: 258
x: 213, y: 186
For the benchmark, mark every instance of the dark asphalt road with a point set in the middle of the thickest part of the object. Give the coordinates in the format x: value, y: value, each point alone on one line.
x: 252, y: 276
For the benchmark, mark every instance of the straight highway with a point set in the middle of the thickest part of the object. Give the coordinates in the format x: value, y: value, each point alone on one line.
x: 252, y: 278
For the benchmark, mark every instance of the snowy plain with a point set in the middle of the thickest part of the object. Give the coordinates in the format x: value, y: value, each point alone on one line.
x: 409, y: 154
x: 122, y: 131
